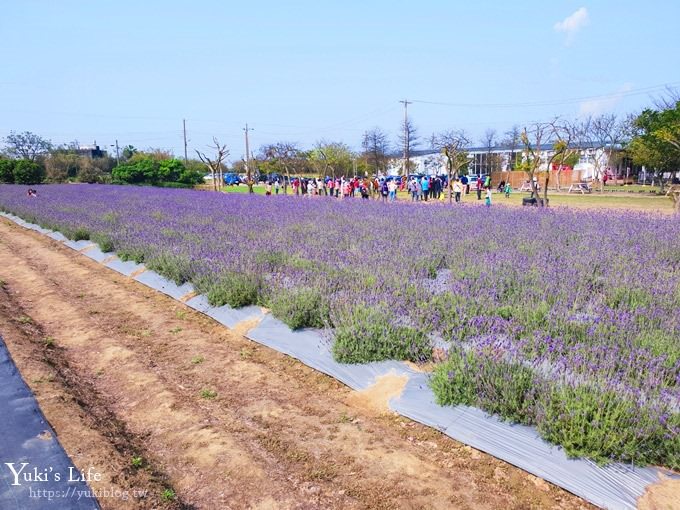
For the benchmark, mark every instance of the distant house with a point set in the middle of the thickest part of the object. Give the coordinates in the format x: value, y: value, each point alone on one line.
x: 90, y: 151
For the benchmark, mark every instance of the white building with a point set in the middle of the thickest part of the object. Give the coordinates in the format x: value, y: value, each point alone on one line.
x: 482, y: 161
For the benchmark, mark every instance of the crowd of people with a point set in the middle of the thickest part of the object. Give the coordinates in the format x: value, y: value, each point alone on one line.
x: 420, y: 188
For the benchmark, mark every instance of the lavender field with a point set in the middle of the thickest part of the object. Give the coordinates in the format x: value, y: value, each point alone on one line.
x: 565, y: 320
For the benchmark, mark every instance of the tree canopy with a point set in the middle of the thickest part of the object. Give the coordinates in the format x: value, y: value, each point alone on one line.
x: 26, y: 145
x: 656, y: 143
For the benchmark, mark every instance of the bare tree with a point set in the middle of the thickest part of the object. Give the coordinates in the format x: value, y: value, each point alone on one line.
x: 452, y: 145
x: 215, y: 164
x: 567, y: 133
x: 535, y: 159
x: 513, y: 139
x: 285, y: 155
x: 668, y: 100
x: 375, y: 145
x: 409, y: 140
x: 489, y: 142
x: 609, y: 133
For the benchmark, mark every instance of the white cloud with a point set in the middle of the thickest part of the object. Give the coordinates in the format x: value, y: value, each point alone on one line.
x: 573, y: 23
x: 604, y: 104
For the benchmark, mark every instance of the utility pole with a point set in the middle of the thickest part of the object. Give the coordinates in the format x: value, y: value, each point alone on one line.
x: 184, y: 127
x: 248, y: 173
x: 407, y: 142
x: 117, y: 155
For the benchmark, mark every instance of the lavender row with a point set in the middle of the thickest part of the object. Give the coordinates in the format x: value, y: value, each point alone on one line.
x: 568, y: 306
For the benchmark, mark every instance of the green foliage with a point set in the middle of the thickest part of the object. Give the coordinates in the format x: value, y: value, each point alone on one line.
x: 599, y: 424
x: 81, y: 234
x: 105, y: 242
x: 208, y: 394
x: 150, y: 169
x: 508, y: 387
x: 7, y: 170
x: 168, y: 495
x: 660, y: 343
x: 272, y: 260
x: 585, y: 420
x: 657, y: 142
x: 61, y: 165
x: 233, y: 289
x: 76, y: 233
x: 177, y: 268
x: 91, y: 170
x: 190, y: 176
x: 365, y: 335
x: 301, y: 308
x: 28, y: 172
x: 332, y: 158
x: 131, y: 253
x: 628, y: 298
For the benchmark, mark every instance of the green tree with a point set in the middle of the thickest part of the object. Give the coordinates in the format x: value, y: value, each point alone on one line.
x: 28, y: 172
x: 169, y: 170
x: 7, y: 170
x: 656, y: 143
x: 127, y: 152
x: 192, y: 174
x: 128, y: 173
x: 333, y: 159
x: 152, y: 169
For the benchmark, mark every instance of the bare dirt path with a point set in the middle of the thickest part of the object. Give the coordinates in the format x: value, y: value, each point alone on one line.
x: 122, y: 371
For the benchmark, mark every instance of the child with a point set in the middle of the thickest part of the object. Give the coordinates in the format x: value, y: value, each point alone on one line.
x: 508, y: 189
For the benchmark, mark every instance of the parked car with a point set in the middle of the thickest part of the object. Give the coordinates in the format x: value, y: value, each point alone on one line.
x: 272, y: 177
x: 472, y: 180
x: 232, y: 179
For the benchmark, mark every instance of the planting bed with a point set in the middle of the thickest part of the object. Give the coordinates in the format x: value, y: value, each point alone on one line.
x: 568, y: 321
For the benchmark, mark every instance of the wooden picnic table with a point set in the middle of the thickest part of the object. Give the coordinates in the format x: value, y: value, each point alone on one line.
x: 582, y: 187
x: 526, y: 186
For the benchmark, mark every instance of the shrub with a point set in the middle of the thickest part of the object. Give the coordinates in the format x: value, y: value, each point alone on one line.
x: 7, y: 170
x: 605, y: 425
x: 497, y: 386
x: 175, y: 267
x: 105, y: 242
x: 301, y: 308
x: 233, y: 289
x: 366, y: 335
x: 135, y: 254
x: 28, y: 172
x: 585, y: 420
x: 78, y: 233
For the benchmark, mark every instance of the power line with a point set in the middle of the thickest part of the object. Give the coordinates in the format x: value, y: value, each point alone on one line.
x: 554, y: 102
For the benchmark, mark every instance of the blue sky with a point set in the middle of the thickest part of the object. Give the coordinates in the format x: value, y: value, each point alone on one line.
x: 308, y: 70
